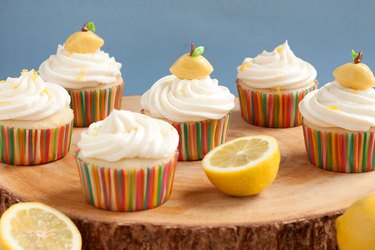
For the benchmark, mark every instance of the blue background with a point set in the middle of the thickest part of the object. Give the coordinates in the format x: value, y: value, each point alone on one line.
x: 148, y: 36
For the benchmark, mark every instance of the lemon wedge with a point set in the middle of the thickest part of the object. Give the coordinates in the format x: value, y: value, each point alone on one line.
x: 356, y: 227
x: 31, y: 225
x: 244, y: 166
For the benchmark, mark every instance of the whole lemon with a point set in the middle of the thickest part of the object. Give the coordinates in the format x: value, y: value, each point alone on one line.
x: 356, y: 227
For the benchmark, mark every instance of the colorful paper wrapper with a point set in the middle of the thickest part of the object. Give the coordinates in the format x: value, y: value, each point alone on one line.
x: 198, y: 138
x: 20, y: 146
x: 95, y: 104
x: 125, y: 190
x: 346, y: 152
x: 278, y: 110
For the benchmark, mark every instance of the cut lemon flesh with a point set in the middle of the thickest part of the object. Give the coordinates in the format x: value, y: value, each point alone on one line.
x: 244, y: 166
x: 31, y: 225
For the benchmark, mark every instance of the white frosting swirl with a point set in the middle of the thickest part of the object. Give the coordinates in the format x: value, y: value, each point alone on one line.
x: 125, y: 134
x: 336, y: 106
x: 187, y: 100
x: 30, y: 98
x: 277, y: 69
x: 76, y: 71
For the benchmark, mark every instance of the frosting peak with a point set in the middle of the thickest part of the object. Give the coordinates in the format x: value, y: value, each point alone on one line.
x: 124, y: 134
x: 29, y: 97
x: 76, y: 71
x: 279, y: 68
x: 187, y: 100
x: 334, y: 105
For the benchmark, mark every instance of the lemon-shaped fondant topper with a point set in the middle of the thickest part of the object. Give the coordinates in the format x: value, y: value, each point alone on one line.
x: 192, y: 65
x: 355, y: 75
x: 84, y: 41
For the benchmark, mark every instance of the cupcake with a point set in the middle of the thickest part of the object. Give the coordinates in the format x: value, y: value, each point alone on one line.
x: 271, y: 85
x: 196, y: 105
x: 339, y: 120
x: 92, y: 78
x: 35, y: 120
x: 127, y: 162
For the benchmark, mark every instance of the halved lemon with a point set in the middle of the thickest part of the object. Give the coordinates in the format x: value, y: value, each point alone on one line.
x: 356, y: 227
x: 244, y: 166
x: 31, y: 225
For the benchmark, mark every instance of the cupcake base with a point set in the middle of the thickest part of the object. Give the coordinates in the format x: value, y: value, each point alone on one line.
x: 340, y: 150
x: 94, y: 104
x: 272, y: 108
x: 126, y: 187
x: 36, y: 142
x: 198, y: 138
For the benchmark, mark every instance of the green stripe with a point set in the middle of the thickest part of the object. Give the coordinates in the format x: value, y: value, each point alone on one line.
x: 85, y: 165
x: 54, y: 149
x: 92, y: 110
x: 146, y: 190
x: 11, y: 145
x: 31, y: 143
x: 365, y: 151
x: 209, y: 132
x: 319, y: 144
x: 265, y: 109
x: 198, y: 126
x: 83, y: 107
x: 131, y: 190
x: 295, y: 108
x: 109, y: 93
x: 2, y: 146
x: 351, y: 151
x: 186, y: 141
x: 119, y: 184
x: 160, y: 182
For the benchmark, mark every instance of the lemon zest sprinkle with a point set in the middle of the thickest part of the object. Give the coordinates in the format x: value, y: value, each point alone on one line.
x: 244, y: 66
x: 335, y: 108
x: 44, y: 92
x: 81, y: 74
x: 280, y: 49
x: 35, y: 75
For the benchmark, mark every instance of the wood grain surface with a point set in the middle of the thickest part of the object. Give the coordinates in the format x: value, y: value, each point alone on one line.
x: 296, y: 212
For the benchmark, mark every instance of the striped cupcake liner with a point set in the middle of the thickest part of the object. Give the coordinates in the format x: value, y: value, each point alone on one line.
x: 198, y: 138
x: 94, y: 105
x: 126, y: 190
x: 279, y: 110
x: 20, y: 146
x: 343, y: 152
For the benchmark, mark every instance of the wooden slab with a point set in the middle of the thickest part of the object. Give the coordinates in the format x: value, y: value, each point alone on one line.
x: 296, y: 212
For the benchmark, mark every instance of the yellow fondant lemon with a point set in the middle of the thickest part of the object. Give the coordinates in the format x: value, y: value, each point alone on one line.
x: 192, y: 65
x: 84, y: 42
x: 355, y: 75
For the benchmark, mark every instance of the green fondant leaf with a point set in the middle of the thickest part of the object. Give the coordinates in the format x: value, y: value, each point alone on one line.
x: 91, y: 26
x: 354, y: 54
x: 198, y: 51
